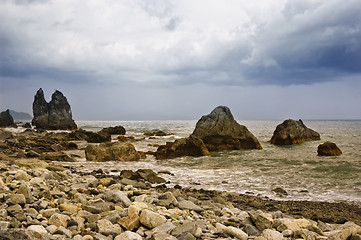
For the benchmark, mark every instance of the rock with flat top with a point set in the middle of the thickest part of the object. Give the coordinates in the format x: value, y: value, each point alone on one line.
x: 219, y: 131
x: 292, y: 132
x: 53, y: 115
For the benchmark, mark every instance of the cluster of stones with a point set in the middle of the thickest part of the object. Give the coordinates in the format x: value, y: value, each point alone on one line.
x: 51, y: 146
x: 39, y: 203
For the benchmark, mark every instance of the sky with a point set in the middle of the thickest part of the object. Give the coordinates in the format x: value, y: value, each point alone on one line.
x: 179, y: 59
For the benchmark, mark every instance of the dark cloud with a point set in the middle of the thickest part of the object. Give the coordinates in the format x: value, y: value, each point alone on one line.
x: 177, y: 54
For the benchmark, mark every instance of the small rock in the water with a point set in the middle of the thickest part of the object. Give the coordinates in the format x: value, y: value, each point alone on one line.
x: 280, y: 191
x: 293, y: 132
x: 328, y: 149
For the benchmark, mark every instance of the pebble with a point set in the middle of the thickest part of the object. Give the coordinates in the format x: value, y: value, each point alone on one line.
x: 34, y: 203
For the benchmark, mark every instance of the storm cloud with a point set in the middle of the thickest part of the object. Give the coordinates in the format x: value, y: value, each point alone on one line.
x: 160, y: 52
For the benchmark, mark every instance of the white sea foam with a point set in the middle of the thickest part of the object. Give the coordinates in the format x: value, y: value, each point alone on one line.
x: 297, y: 169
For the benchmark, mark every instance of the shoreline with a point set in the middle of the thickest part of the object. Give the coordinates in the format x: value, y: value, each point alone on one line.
x: 43, y: 198
x: 325, y: 211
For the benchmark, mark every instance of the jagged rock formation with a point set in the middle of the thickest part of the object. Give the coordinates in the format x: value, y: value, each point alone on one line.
x: 53, y: 115
x: 328, y: 149
x: 182, y: 147
x: 6, y: 120
x: 293, y: 132
x: 219, y: 131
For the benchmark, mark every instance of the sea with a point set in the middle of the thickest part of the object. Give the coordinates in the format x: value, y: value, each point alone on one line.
x: 297, y: 169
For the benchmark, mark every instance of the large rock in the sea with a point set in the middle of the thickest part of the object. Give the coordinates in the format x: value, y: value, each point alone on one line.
x: 53, y: 115
x: 293, y: 132
x: 6, y: 120
x: 191, y: 146
x: 219, y: 131
x: 117, y: 151
x: 328, y: 149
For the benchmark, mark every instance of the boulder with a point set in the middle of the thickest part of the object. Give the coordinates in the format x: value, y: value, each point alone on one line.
x: 191, y: 146
x: 91, y: 137
x: 293, y: 132
x: 53, y: 115
x: 6, y: 120
x: 119, y: 130
x: 219, y: 131
x: 151, y: 219
x: 328, y: 149
x: 117, y: 151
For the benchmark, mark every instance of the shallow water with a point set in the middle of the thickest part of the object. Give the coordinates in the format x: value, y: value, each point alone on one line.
x: 297, y: 168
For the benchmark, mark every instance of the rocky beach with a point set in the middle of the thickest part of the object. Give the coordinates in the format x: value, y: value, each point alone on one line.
x: 43, y: 196
x: 44, y: 200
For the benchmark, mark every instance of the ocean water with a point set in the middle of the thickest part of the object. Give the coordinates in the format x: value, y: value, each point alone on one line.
x: 297, y: 168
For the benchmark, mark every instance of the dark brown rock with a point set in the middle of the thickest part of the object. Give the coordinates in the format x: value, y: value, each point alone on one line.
x: 91, y: 137
x: 114, y: 130
x: 191, y: 146
x: 219, y: 131
x: 328, y: 149
x: 293, y: 132
x: 53, y: 115
x: 158, y: 134
x: 6, y: 120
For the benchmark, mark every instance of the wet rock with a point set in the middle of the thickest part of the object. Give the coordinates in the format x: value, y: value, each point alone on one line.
x: 112, y: 152
x: 151, y: 219
x: 219, y: 131
x: 6, y: 120
x: 53, y: 115
x: 191, y: 146
x: 328, y: 149
x: 119, y: 130
x: 293, y: 132
x: 89, y: 136
x: 158, y: 134
x: 150, y: 175
x: 280, y: 191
